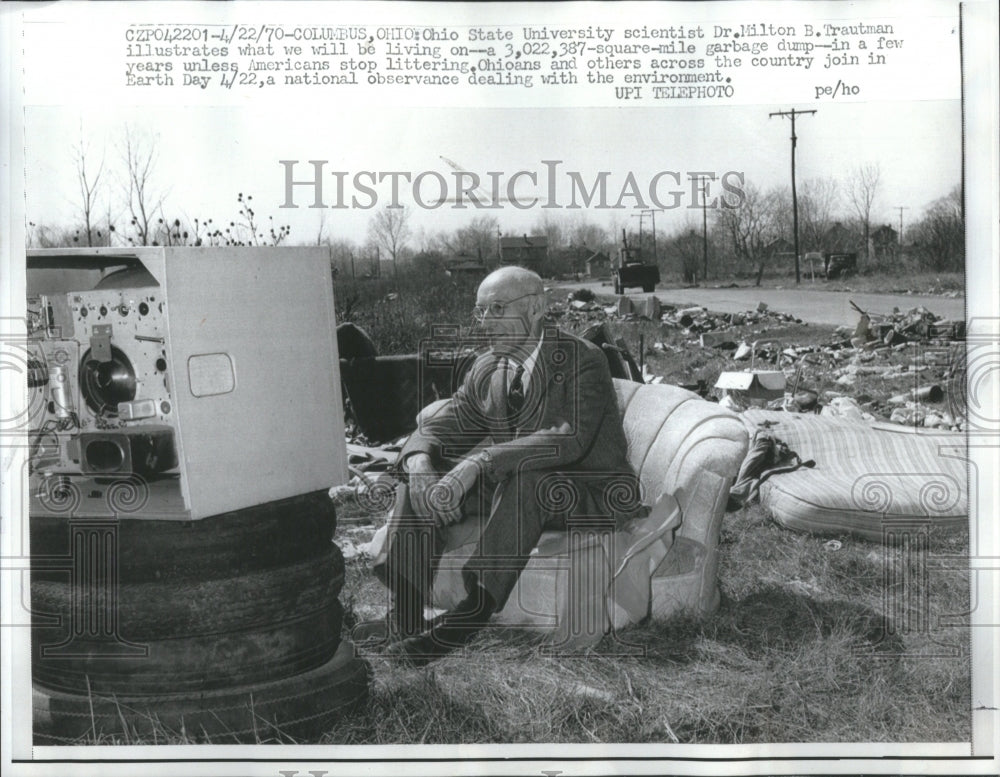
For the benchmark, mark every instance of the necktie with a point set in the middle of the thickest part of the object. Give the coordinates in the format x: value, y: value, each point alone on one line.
x: 515, y: 393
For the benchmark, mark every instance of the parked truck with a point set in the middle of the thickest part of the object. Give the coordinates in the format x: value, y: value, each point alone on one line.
x: 629, y: 271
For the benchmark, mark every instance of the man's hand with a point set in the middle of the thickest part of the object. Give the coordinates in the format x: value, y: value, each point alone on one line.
x: 422, y: 477
x: 445, y: 497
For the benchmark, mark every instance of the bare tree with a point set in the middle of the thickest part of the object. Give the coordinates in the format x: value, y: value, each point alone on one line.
x: 782, y: 221
x: 752, y: 226
x: 587, y: 234
x: 552, y: 228
x: 819, y: 200
x: 390, y: 230
x: 321, y: 238
x: 87, y: 182
x: 862, y: 189
x: 939, y: 236
x: 685, y: 249
x: 478, y: 238
x: 139, y: 155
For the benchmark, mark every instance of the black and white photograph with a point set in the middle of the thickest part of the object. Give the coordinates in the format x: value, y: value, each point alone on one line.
x: 552, y: 388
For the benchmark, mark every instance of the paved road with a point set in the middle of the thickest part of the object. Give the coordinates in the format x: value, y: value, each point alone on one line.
x: 815, y: 307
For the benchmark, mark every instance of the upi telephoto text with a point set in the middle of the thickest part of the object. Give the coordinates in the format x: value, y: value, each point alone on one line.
x: 461, y: 189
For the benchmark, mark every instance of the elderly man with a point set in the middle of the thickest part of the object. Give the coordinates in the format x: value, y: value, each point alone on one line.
x: 532, y: 438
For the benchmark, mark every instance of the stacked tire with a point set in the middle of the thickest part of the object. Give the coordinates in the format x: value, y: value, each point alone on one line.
x: 226, y: 629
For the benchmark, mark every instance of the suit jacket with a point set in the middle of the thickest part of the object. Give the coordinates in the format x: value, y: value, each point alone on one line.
x: 569, y: 423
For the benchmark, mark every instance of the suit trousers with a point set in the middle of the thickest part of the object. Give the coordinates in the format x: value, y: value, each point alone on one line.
x: 507, y: 517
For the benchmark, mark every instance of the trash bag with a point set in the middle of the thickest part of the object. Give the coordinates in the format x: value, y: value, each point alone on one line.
x: 767, y: 456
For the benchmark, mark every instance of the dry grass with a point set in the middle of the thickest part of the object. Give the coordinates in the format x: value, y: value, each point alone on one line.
x: 800, y: 650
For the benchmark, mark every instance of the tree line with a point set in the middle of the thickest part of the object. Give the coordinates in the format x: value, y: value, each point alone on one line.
x: 750, y: 239
x: 120, y: 203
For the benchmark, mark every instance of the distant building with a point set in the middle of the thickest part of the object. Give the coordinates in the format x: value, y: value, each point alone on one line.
x: 525, y: 251
x: 885, y: 242
x: 781, y: 254
x: 465, y: 266
x: 598, y: 265
x: 839, y: 239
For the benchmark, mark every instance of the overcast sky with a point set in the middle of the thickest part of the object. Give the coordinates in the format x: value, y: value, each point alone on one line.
x: 207, y: 155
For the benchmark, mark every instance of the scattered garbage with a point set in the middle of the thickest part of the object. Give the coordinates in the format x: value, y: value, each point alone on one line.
x: 928, y: 394
x: 892, y: 348
x: 754, y: 388
x: 917, y: 357
x: 725, y: 340
x: 803, y: 401
x: 848, y: 409
x: 693, y: 320
x: 911, y: 415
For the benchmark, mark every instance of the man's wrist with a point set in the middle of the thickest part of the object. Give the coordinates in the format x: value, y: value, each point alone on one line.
x: 414, y: 459
x: 486, y: 461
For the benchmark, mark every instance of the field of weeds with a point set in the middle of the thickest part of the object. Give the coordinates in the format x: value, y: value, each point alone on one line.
x: 398, y: 313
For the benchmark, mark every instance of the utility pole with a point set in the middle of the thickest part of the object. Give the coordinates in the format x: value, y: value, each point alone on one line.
x: 795, y: 203
x: 652, y: 214
x: 703, y: 189
x: 901, y: 208
x: 639, y: 216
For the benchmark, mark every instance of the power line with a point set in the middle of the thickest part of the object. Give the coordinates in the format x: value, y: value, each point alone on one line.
x: 652, y: 214
x: 795, y: 203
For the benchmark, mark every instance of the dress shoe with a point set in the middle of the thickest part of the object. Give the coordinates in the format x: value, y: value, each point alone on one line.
x: 452, y: 630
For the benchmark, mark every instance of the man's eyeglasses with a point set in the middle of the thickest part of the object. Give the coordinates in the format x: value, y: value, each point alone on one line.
x: 496, y: 308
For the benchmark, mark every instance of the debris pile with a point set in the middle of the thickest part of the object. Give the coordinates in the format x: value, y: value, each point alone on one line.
x: 915, y: 325
x: 581, y: 307
x: 867, y: 369
x: 860, y: 374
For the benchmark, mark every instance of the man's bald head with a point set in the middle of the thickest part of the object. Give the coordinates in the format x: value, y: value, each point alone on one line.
x: 513, y: 306
x: 507, y: 283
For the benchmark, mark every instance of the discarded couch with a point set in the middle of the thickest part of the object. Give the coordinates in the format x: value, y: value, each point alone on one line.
x: 686, y: 452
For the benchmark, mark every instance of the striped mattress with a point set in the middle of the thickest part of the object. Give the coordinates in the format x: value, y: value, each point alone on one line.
x: 869, y: 479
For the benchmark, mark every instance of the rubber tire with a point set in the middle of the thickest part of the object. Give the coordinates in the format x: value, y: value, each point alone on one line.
x: 164, y: 610
x: 190, y: 664
x: 304, y: 706
x: 225, y: 545
x: 647, y: 287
